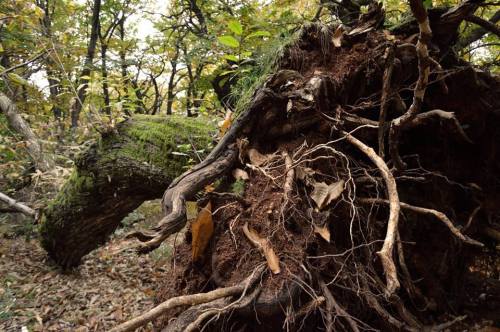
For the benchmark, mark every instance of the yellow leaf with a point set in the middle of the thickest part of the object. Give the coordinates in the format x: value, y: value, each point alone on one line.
x: 226, y: 123
x: 265, y: 247
x: 202, y: 230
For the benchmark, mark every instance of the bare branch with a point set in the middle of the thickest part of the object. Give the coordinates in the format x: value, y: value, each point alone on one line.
x: 188, y: 300
x: 17, y: 206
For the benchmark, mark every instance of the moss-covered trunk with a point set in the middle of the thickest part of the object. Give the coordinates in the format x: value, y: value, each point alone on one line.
x: 114, y: 176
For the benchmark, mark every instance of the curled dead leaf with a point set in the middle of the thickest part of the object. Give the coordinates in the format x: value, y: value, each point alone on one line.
x: 337, y: 36
x: 305, y: 174
x: 256, y: 158
x: 265, y: 247
x: 324, y: 194
x: 323, y: 231
x: 202, y: 230
x: 240, y: 174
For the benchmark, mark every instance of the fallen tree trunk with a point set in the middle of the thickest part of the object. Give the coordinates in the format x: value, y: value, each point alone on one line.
x: 125, y: 167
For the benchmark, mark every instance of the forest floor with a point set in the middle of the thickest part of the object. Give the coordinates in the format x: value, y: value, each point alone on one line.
x: 111, y: 285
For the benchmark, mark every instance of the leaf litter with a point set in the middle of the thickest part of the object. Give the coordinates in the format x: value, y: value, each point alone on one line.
x: 111, y: 285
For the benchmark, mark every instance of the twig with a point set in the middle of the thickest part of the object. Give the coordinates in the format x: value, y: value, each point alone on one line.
x: 17, y: 206
x: 186, y: 300
x: 27, y: 62
x: 440, y: 215
x: 385, y: 253
x: 384, y: 101
x: 424, y: 38
x: 487, y: 25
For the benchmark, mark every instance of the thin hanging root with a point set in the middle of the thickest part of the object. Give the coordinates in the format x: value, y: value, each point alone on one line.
x: 375, y: 305
x: 439, y: 215
x: 331, y: 305
x: 175, y: 199
x: 189, y: 300
x: 401, y: 122
x: 310, y: 306
x: 384, y: 101
x: 385, y: 253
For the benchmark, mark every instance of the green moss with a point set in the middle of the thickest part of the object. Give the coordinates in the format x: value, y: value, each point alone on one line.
x: 155, y: 140
x: 266, y: 63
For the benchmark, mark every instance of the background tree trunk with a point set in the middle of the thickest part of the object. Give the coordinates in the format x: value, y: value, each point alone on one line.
x: 7, y: 106
x: 83, y: 79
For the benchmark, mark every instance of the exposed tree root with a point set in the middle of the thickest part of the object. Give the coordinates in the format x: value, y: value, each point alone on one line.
x: 439, y: 215
x: 308, y: 144
x: 189, y: 300
x: 386, y: 253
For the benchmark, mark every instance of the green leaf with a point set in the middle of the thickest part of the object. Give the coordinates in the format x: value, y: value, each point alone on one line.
x: 17, y: 79
x: 259, y: 33
x: 226, y: 72
x: 229, y: 41
x: 235, y: 27
x: 231, y: 57
x: 246, y: 54
x: 427, y: 4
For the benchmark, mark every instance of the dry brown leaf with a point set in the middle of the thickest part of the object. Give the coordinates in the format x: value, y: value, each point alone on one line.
x: 265, y: 247
x: 256, y: 158
x: 240, y: 174
x: 337, y: 36
x: 305, y: 174
x: 324, y: 194
x: 323, y: 231
x: 202, y: 230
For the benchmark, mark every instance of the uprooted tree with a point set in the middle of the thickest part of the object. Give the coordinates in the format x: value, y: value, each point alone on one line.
x: 370, y: 171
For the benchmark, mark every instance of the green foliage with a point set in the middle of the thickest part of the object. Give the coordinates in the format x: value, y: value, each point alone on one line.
x: 238, y: 187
